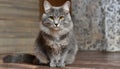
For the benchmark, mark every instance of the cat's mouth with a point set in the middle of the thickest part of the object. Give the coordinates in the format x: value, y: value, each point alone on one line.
x: 56, y: 28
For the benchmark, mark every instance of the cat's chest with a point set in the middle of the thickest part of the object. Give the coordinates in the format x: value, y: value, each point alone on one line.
x: 56, y: 46
x: 57, y: 42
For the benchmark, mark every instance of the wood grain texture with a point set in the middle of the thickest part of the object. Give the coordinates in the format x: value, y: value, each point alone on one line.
x: 84, y: 60
x: 19, y: 25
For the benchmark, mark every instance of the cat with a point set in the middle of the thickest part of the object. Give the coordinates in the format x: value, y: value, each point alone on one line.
x: 56, y: 39
x: 55, y: 44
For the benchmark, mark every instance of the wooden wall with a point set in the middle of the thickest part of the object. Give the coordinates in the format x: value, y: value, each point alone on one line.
x: 19, y: 25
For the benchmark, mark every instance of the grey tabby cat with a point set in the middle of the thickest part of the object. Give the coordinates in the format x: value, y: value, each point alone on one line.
x: 56, y: 43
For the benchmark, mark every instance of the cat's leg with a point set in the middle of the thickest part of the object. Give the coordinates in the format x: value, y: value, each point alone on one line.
x: 42, y: 59
x: 41, y: 56
x: 71, y: 55
x: 70, y: 59
x: 61, y: 61
x: 68, y: 56
x: 52, y: 61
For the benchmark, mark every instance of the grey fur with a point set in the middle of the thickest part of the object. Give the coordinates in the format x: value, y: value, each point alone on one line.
x: 56, y: 44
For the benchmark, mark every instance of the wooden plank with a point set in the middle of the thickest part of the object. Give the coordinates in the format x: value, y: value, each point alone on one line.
x: 18, y: 35
x: 16, y: 41
x: 17, y: 2
x: 18, y: 6
x: 17, y: 11
x: 18, y: 17
x: 17, y: 49
x: 16, y: 45
x: 19, y: 23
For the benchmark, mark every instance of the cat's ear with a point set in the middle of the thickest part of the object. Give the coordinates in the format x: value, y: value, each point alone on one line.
x: 66, y: 6
x: 47, y: 5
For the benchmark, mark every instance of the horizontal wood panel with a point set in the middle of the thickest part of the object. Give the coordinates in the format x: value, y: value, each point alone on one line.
x: 14, y: 11
x: 22, y: 3
x: 17, y: 49
x: 16, y: 41
x: 16, y: 45
x: 18, y: 28
x: 19, y: 25
x: 17, y: 35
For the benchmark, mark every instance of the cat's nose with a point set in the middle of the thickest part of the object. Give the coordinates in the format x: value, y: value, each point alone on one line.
x: 56, y: 24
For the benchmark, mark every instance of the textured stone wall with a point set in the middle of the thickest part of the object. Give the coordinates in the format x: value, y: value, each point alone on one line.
x: 112, y: 24
x: 89, y: 26
x: 97, y: 24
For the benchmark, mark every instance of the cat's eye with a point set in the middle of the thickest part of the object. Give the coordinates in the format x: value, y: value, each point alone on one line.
x: 51, y: 17
x: 61, y: 17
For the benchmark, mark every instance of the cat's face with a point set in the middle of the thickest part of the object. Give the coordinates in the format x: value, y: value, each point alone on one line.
x: 56, y: 18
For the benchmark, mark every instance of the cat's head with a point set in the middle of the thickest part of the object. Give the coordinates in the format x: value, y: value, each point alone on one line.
x: 56, y: 17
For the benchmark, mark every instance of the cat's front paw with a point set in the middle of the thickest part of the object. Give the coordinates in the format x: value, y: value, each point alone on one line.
x: 52, y: 65
x: 60, y: 65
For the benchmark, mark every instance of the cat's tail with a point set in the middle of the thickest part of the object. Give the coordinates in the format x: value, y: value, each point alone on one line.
x: 21, y: 58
